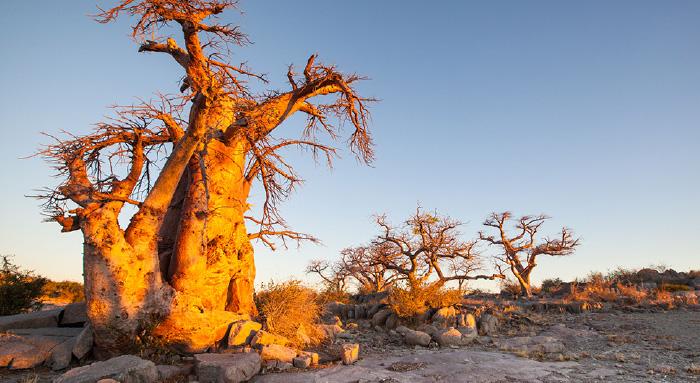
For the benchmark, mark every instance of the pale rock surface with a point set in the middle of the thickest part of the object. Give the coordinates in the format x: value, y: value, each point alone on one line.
x: 48, y: 318
x: 124, y: 369
x: 454, y: 366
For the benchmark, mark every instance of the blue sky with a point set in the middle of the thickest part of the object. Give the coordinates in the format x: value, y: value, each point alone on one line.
x: 586, y: 111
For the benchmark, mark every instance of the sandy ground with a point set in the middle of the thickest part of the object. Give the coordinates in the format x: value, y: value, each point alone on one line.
x: 599, y: 347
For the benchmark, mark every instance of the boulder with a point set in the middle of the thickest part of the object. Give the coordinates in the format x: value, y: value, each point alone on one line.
x: 392, y: 321
x: 124, y: 369
x: 417, y: 338
x: 48, y: 318
x: 428, y: 329
x: 374, y: 309
x: 469, y: 321
x: 74, y: 314
x: 277, y: 352
x: 242, y: 332
x: 379, y: 318
x: 360, y: 312
x: 8, y: 350
x: 449, y: 337
x: 227, y: 368
x: 264, y: 338
x: 487, y: 325
x: 61, y: 355
x: 402, y: 330
x: 445, y: 317
x: 83, y: 342
x: 278, y: 365
x: 191, y: 331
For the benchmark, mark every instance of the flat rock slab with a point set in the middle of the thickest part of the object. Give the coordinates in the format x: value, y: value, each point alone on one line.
x: 48, y: 318
x: 65, y: 332
x: 74, y: 314
x: 124, y: 369
x: 30, y: 349
x: 227, y: 368
x: 431, y: 366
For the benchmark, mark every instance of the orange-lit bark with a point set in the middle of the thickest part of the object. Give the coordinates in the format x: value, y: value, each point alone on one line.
x: 183, y: 268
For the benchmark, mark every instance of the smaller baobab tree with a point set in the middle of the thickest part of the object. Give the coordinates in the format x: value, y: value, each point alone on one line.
x: 520, y: 250
x: 427, y: 251
x: 370, y: 276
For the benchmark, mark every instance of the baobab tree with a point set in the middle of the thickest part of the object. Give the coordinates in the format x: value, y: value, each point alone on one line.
x: 427, y: 250
x: 370, y: 276
x: 183, y: 268
x: 520, y: 250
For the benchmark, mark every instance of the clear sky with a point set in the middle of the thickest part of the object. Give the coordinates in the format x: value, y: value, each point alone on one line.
x: 587, y: 111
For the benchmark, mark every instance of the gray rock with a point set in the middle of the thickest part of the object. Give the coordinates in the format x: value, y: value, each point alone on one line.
x: 40, y: 350
x: 124, y: 369
x: 488, y: 324
x: 278, y: 365
x: 529, y: 344
x: 227, y: 368
x: 449, y: 337
x: 83, y: 342
x: 48, y: 318
x: 380, y: 317
x: 402, y: 330
x: 417, y: 338
x: 64, y: 332
x: 392, y: 321
x: 61, y: 355
x: 74, y: 314
x: 303, y: 361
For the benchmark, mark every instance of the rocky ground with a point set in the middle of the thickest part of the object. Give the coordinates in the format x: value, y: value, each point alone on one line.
x: 529, y: 347
x: 587, y: 347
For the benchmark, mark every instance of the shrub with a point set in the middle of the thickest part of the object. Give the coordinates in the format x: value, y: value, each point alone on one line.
x: 408, y: 303
x: 510, y: 287
x: 64, y: 291
x: 551, y: 285
x: 672, y: 287
x: 329, y: 295
x: 19, y: 289
x: 632, y: 293
x: 291, y: 310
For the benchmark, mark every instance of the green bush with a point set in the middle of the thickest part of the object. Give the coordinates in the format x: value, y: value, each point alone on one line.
x: 19, y: 289
x: 551, y: 285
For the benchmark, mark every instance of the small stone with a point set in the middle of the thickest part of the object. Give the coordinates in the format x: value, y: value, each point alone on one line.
x: 693, y: 369
x: 664, y: 369
x: 227, y: 368
x: 278, y: 352
x: 303, y: 361
x: 312, y: 355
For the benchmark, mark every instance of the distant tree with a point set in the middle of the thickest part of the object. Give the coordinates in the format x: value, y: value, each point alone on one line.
x: 371, y: 277
x: 427, y: 249
x: 67, y: 291
x: 19, y: 289
x: 183, y: 266
x: 520, y: 250
x: 333, y: 275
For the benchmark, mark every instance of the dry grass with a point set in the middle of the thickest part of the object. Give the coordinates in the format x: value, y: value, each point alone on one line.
x: 413, y: 302
x: 290, y: 309
x: 632, y: 293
